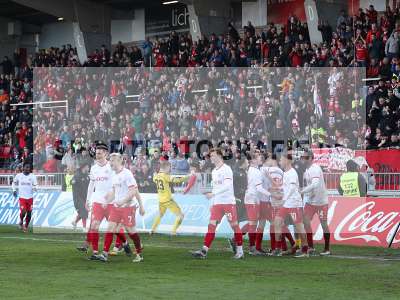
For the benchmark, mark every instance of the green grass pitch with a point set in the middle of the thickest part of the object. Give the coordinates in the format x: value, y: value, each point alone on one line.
x: 47, y: 266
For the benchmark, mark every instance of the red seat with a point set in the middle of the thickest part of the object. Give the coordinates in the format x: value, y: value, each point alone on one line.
x: 5, y: 152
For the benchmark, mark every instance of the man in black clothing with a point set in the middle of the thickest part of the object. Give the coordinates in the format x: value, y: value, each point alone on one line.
x: 80, y: 182
x: 7, y: 66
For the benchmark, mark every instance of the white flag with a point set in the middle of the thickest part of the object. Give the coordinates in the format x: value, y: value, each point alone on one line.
x: 317, y: 102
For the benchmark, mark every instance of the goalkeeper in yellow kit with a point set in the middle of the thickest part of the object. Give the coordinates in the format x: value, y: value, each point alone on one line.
x: 163, y: 180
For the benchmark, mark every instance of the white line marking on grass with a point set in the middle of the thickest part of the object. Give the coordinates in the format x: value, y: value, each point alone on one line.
x: 364, y: 257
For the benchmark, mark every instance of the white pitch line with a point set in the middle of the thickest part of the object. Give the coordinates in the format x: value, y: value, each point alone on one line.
x: 364, y: 257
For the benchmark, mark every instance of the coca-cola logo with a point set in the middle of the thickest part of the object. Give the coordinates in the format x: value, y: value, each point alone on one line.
x: 367, y: 224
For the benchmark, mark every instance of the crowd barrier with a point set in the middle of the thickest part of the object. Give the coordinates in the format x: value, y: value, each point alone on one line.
x: 352, y: 221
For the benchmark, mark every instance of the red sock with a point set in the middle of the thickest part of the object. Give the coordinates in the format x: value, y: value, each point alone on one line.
x: 210, y: 235
x: 278, y: 244
x: 89, y: 238
x: 310, y: 241
x: 259, y: 238
x: 272, y: 237
x: 288, y: 235
x: 108, y: 241
x: 21, y: 215
x: 245, y: 229
x: 120, y: 238
x: 252, y: 235
x: 238, y: 235
x: 327, y: 237
x: 28, y: 218
x: 95, y: 240
x: 304, y: 249
x: 136, y: 241
x: 283, y: 243
x: 84, y: 223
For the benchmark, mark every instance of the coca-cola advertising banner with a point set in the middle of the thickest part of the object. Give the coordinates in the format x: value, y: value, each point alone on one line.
x: 361, y: 221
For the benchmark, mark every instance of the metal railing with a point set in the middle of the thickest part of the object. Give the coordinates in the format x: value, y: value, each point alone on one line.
x: 386, y: 184
x: 50, y: 180
x: 378, y: 182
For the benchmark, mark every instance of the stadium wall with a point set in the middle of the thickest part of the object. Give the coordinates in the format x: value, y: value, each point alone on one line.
x: 8, y: 43
x: 352, y: 221
x: 56, y: 35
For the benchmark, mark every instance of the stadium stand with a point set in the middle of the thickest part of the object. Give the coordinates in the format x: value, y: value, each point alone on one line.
x: 358, y: 41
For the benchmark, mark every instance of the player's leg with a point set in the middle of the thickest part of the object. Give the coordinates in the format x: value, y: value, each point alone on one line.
x: 108, y: 239
x: 99, y: 213
x: 278, y: 223
x: 265, y: 214
x: 323, y: 218
x: 176, y: 210
x: 133, y: 234
x: 216, y: 214
x: 161, y: 211
x: 286, y: 235
x: 297, y: 217
x: 309, y: 212
x: 272, y: 234
x: 129, y: 222
x: 77, y: 218
x: 252, y: 216
x: 260, y: 234
x: 297, y: 241
x: 29, y: 204
x: 22, y: 212
x: 231, y: 213
x: 245, y: 228
x: 83, y: 213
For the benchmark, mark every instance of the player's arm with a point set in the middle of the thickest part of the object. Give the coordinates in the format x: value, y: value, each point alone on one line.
x: 34, y: 184
x: 110, y: 195
x: 292, y: 189
x: 191, y: 183
x: 139, y: 200
x: 261, y: 190
x: 312, y: 186
x: 222, y: 188
x: 89, y: 191
x: 176, y: 180
x: 14, y: 186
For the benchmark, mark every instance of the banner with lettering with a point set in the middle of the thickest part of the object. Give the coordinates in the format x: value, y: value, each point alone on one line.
x: 361, y: 221
x: 43, y: 202
x: 352, y: 221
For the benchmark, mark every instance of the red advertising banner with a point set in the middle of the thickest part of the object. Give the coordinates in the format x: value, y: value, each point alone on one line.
x: 279, y: 11
x: 361, y: 221
x: 384, y: 161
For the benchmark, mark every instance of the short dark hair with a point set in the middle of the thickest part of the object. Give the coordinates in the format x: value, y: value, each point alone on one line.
x: 218, y: 151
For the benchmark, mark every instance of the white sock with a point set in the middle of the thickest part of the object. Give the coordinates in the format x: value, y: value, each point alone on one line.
x: 205, y: 248
x: 239, y: 249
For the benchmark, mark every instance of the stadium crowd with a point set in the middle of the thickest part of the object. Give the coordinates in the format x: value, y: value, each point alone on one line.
x: 171, y: 108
